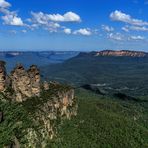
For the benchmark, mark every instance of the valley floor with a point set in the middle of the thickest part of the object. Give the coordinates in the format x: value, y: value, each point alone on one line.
x: 104, y: 122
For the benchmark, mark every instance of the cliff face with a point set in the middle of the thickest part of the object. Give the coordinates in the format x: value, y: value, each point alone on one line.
x: 50, y: 114
x: 121, y: 53
x: 34, y: 75
x: 2, y: 76
x: 46, y: 104
x: 25, y: 83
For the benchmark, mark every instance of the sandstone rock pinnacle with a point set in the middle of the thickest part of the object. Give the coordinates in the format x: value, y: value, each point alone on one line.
x: 2, y: 76
x: 21, y: 83
x: 34, y: 75
x: 26, y: 84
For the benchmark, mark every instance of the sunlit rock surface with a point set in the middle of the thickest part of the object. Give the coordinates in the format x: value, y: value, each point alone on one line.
x: 46, y: 104
x: 2, y: 76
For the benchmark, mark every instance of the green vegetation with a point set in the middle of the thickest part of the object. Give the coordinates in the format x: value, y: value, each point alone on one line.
x: 117, y: 119
x: 15, y: 121
x: 104, y: 122
x: 127, y: 74
x: 35, y: 103
x: 17, y: 117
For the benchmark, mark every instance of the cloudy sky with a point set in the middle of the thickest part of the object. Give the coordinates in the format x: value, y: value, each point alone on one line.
x: 73, y: 24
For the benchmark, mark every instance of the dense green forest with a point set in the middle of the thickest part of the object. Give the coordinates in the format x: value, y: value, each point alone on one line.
x: 102, y: 121
x: 112, y: 113
x: 105, y: 122
x: 128, y: 74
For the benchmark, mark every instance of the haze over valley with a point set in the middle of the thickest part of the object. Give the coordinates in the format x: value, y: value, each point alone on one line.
x: 39, y: 58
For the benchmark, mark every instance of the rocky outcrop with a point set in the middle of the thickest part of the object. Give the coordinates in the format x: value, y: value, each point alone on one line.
x: 46, y: 105
x: 21, y: 83
x: 45, y: 85
x: 34, y: 75
x: 25, y: 84
x: 2, y: 76
x: 57, y: 107
x: 122, y: 53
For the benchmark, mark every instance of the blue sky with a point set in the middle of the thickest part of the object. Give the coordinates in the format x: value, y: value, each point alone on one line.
x: 73, y: 24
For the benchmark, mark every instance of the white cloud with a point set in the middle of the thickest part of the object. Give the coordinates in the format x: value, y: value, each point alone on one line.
x: 33, y: 26
x: 107, y: 28
x: 51, y: 22
x: 122, y: 17
x: 125, y: 29
x: 67, y: 31
x: 136, y: 37
x: 67, y: 17
x: 9, y: 17
x: 121, y: 37
x: 43, y: 18
x: 51, y: 26
x: 84, y: 31
x: 4, y: 4
x: 24, y: 31
x: 116, y: 36
x: 12, y: 19
x: 137, y: 28
x: 39, y: 18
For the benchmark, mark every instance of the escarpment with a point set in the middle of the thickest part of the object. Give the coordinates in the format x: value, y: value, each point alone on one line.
x: 34, y: 75
x: 2, y: 76
x: 116, y: 53
x: 42, y: 105
x: 122, y: 53
x: 59, y: 104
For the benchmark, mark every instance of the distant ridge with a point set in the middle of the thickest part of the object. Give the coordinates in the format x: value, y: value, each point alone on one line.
x: 118, y: 53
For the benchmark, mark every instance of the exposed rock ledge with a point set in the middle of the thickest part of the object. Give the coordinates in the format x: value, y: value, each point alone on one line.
x: 46, y: 104
x: 115, y: 53
x: 122, y: 53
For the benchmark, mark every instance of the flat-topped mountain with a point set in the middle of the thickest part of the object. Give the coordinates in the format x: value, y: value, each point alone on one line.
x: 118, y: 53
x: 119, y: 70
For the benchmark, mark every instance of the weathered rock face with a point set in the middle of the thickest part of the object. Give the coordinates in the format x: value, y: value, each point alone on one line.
x: 34, y: 75
x: 2, y: 76
x: 57, y: 107
x: 25, y: 84
x: 122, y: 53
x: 21, y: 83
x: 45, y: 107
x: 45, y: 85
